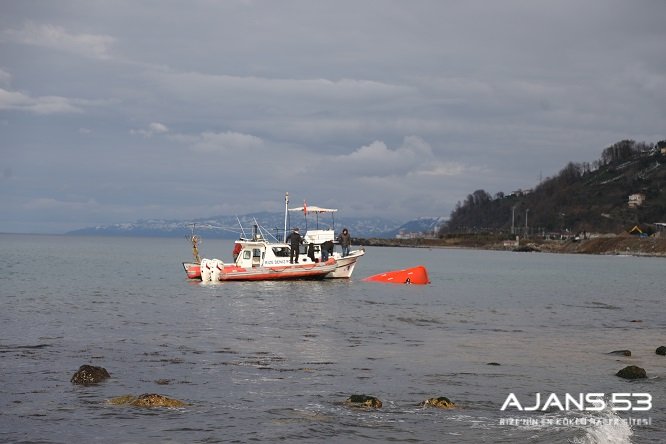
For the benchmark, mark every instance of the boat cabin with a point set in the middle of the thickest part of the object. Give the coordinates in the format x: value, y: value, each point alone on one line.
x: 258, y: 252
x: 263, y: 254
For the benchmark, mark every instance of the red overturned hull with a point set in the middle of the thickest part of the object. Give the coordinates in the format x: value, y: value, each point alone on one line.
x: 416, y: 275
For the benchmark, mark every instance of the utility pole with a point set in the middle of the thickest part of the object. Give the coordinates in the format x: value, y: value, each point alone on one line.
x: 513, y: 219
x: 286, y: 211
x: 527, y: 210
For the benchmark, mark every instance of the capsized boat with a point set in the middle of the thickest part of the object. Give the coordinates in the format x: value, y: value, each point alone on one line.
x: 416, y: 275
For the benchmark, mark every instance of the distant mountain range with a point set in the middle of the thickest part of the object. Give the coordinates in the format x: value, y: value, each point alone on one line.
x: 228, y: 227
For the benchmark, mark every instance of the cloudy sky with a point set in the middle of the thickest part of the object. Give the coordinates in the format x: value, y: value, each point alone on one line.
x: 114, y: 111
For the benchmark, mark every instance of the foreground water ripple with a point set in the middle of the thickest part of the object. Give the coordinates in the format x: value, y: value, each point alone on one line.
x: 275, y: 361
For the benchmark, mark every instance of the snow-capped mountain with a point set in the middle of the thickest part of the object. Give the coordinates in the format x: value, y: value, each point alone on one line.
x: 228, y: 227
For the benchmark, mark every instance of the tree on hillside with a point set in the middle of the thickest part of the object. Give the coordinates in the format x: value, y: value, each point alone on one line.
x: 623, y: 150
x: 577, y: 198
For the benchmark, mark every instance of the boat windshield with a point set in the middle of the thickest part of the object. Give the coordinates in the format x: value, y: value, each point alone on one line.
x: 281, y: 251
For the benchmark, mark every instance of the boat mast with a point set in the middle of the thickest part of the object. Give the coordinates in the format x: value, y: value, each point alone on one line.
x: 196, y: 240
x: 286, y: 209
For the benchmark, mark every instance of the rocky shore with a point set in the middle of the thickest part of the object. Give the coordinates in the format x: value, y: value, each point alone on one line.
x: 606, y: 244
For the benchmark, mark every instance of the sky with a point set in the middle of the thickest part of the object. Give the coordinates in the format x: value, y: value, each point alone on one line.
x: 115, y: 111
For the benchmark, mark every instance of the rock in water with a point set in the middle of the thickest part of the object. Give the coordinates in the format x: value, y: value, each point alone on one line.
x: 90, y: 374
x: 441, y: 403
x: 147, y: 400
x: 661, y: 351
x: 155, y: 400
x: 364, y: 401
x: 122, y: 400
x: 620, y: 352
x: 632, y: 372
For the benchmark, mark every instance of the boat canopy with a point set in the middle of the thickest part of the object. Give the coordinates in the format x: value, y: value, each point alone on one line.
x: 305, y: 209
x: 313, y: 209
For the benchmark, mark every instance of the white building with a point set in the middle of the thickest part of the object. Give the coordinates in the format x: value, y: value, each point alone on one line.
x: 636, y: 200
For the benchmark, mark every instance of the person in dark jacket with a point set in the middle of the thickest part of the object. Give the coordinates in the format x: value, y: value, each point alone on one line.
x: 311, y: 251
x: 345, y: 242
x: 326, y: 250
x: 295, y: 240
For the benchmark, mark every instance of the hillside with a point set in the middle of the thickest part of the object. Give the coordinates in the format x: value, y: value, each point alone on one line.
x: 581, y: 198
x: 623, y: 244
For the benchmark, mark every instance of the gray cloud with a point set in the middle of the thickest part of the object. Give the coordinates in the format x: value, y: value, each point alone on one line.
x: 117, y: 111
x: 58, y: 38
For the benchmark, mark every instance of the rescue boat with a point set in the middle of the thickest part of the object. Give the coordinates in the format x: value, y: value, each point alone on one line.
x: 319, y: 244
x: 259, y: 258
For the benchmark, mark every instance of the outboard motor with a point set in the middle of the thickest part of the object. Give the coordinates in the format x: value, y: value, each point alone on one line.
x: 206, y: 270
x: 216, y: 269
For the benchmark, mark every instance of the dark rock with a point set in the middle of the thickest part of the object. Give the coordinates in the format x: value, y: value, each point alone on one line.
x: 364, y: 401
x: 632, y: 372
x: 89, y: 375
x: 493, y: 363
x: 441, y: 403
x: 147, y: 400
x: 620, y: 352
x: 661, y: 351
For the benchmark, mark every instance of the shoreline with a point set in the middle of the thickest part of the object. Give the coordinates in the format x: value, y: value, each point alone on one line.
x: 619, y: 245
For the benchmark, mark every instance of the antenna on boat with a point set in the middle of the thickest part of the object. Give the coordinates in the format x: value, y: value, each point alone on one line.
x: 196, y: 240
x: 241, y: 227
x: 286, y: 211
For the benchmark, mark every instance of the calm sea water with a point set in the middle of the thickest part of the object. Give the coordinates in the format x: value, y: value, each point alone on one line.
x: 274, y: 361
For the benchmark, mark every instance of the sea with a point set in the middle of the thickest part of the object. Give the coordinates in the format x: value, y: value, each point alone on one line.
x: 521, y: 342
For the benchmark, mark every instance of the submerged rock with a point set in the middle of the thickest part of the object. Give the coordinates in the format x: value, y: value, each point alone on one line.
x: 661, y: 351
x: 121, y: 400
x: 632, y: 372
x: 364, y: 401
x: 90, y: 374
x: 620, y: 352
x: 147, y: 400
x: 441, y: 403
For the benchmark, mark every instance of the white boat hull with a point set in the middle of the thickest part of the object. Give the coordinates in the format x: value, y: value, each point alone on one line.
x: 213, y: 270
x: 346, y: 265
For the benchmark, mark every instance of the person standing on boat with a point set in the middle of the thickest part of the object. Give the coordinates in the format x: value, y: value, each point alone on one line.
x: 326, y: 250
x: 295, y: 240
x: 345, y: 242
x: 311, y: 251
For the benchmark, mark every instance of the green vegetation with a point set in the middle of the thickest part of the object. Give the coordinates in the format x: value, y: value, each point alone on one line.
x: 582, y: 197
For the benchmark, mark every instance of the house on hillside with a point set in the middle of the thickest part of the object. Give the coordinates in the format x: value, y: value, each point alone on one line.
x: 636, y: 200
x: 520, y: 192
